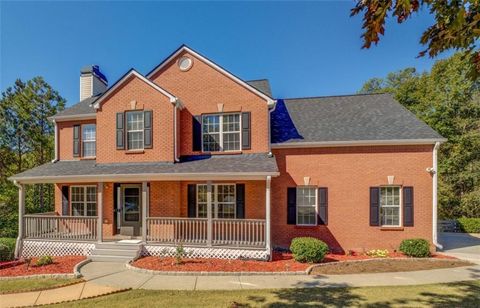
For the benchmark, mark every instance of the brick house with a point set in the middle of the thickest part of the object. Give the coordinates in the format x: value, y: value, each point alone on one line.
x: 192, y: 154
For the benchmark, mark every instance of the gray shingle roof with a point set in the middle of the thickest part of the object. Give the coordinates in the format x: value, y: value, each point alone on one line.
x: 262, y: 85
x: 372, y: 117
x: 219, y: 164
x: 80, y: 108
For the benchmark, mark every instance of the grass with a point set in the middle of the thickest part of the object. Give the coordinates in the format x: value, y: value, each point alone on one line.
x: 462, y: 294
x: 22, y: 285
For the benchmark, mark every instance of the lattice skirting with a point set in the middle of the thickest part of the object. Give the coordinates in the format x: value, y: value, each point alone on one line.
x: 44, y: 248
x: 207, y: 252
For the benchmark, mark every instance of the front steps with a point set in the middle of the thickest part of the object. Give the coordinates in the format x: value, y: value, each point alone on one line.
x: 115, y: 252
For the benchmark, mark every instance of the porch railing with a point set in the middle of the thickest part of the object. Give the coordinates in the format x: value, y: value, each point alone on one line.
x: 225, y: 232
x: 40, y: 226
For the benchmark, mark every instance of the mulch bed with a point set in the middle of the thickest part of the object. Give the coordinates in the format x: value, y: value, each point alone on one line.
x: 60, y: 265
x: 281, y: 262
x: 386, y: 265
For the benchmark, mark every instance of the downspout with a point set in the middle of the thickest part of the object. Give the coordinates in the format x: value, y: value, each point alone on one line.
x: 434, y: 197
x: 175, y: 131
x: 269, y: 137
x: 21, y: 212
x: 56, y: 141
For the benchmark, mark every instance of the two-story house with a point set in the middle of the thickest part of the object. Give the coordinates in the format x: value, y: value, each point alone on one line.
x: 191, y: 154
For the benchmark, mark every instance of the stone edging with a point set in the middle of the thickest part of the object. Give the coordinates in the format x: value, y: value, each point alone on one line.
x: 38, y: 276
x: 129, y: 266
x: 78, y: 266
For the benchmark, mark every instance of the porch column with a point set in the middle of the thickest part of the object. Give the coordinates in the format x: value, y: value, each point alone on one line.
x: 144, y: 211
x: 21, y: 212
x: 267, y: 214
x: 209, y: 213
x: 100, y: 212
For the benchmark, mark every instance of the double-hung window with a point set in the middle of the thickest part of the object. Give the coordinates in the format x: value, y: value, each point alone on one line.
x: 223, y: 201
x: 135, y: 130
x: 390, y: 206
x: 88, y: 140
x: 306, y: 205
x: 83, y: 200
x: 221, y: 132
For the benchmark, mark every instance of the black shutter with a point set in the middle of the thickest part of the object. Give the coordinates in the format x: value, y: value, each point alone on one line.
x: 120, y: 131
x: 76, y: 140
x: 65, y: 203
x: 116, y: 205
x: 374, y: 206
x: 408, y: 206
x: 246, y: 131
x: 197, y: 133
x: 192, y: 200
x: 147, y: 129
x: 322, y: 206
x: 240, y: 201
x: 292, y: 205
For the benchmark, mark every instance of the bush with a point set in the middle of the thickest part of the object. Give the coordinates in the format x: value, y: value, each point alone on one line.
x: 45, y: 260
x: 7, y: 249
x: 377, y: 253
x: 469, y: 225
x: 308, y: 249
x: 416, y: 247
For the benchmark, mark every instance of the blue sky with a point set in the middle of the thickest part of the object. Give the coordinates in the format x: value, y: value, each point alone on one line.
x: 304, y: 48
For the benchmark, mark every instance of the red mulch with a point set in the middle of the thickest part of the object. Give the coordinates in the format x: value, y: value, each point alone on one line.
x: 281, y: 262
x: 60, y: 265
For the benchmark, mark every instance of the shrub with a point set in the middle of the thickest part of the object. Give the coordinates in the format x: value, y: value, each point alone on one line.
x: 469, y: 225
x: 308, y: 249
x: 45, y: 260
x: 416, y: 247
x: 7, y: 249
x: 377, y: 253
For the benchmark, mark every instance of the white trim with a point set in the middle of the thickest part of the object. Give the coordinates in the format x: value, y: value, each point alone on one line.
x: 215, y: 199
x: 70, y: 206
x: 98, y: 102
x: 269, y: 100
x: 55, y: 131
x: 434, y: 196
x: 221, y: 132
x: 319, y: 144
x: 135, y: 130
x: 400, y: 205
x: 86, y: 116
x: 82, y: 126
x: 315, y: 188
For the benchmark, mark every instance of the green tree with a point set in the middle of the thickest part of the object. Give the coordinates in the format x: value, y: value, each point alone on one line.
x: 26, y: 141
x: 449, y: 101
x: 457, y: 25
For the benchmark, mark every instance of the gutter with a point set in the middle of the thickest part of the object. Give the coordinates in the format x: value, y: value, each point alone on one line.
x: 319, y: 144
x: 434, y: 197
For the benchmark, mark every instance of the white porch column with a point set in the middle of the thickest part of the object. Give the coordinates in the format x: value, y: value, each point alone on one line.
x: 267, y: 215
x: 144, y: 210
x: 100, y: 212
x: 209, y: 213
x: 21, y: 212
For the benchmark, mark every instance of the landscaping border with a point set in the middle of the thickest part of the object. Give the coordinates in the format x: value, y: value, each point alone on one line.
x: 76, y: 273
x: 78, y: 266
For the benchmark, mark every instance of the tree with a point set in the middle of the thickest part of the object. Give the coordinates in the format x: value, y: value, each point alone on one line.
x: 457, y: 25
x: 26, y: 141
x: 449, y: 101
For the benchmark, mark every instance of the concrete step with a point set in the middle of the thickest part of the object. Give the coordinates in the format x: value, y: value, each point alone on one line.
x: 117, y: 246
x: 115, y: 252
x: 99, y: 258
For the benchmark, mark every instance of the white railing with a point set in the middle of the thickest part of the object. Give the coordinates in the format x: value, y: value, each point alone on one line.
x: 40, y: 226
x: 177, y: 230
x: 224, y: 232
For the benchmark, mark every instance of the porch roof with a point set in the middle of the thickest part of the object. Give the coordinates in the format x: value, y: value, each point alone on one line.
x: 205, y: 167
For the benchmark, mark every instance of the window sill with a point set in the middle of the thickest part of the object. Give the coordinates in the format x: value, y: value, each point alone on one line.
x: 88, y: 158
x: 391, y: 228
x: 134, y: 151
x: 223, y: 153
x: 306, y: 226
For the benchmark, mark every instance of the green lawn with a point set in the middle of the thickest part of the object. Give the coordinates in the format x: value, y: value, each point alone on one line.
x: 465, y: 294
x: 20, y: 285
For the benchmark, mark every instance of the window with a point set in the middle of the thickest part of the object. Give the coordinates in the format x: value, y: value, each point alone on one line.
x: 135, y: 130
x: 84, y: 200
x: 88, y: 140
x: 223, y: 201
x: 390, y: 206
x: 221, y: 132
x: 306, y: 206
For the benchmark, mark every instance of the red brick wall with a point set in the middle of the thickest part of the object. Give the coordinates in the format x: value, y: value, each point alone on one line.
x: 65, y: 137
x: 348, y: 172
x: 201, y: 88
x: 146, y: 97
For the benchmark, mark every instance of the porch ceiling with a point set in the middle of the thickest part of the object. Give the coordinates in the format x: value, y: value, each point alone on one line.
x: 243, y: 166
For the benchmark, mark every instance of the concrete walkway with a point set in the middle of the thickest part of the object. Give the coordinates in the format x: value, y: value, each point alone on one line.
x: 461, y: 245
x: 116, y: 275
x: 69, y: 293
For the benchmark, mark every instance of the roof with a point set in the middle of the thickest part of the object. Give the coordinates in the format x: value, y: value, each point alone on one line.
x: 346, y: 119
x: 83, y: 107
x: 240, y: 165
x: 262, y: 85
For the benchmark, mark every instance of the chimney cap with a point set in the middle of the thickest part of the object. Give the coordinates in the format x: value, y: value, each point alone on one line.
x: 95, y: 70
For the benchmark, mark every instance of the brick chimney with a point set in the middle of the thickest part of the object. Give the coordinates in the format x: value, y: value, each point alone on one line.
x: 92, y: 82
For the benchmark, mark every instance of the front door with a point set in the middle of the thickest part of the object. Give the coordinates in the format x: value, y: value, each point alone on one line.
x: 131, y: 207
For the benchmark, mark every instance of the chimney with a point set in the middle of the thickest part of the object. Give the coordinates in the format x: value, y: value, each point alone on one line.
x: 92, y: 82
